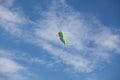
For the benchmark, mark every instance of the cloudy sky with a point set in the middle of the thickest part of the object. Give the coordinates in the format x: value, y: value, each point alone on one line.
x: 30, y: 49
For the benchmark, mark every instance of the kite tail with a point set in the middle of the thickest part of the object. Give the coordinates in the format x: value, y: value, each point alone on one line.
x: 68, y: 44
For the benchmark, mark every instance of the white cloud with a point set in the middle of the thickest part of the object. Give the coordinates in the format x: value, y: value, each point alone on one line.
x: 10, y: 16
x: 17, y: 55
x: 76, y: 61
x: 9, y: 21
x: 6, y: 3
x: 12, y: 69
x: 95, y: 42
x: 107, y: 39
x: 9, y: 66
x: 90, y: 45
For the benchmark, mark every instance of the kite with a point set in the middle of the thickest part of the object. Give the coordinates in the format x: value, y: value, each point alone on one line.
x: 61, y: 36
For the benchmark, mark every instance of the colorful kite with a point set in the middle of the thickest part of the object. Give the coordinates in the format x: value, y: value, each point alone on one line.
x: 61, y: 36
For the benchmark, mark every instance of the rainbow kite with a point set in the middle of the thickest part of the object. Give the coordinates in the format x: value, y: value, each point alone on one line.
x: 61, y: 36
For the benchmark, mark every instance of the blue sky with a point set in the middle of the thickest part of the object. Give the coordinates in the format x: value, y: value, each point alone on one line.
x: 30, y: 50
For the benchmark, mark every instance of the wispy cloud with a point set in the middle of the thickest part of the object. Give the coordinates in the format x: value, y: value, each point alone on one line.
x: 87, y: 40
x: 10, y: 20
x: 77, y: 62
x: 91, y: 39
x: 108, y: 40
x: 9, y: 68
x: 12, y: 69
x: 92, y: 42
x: 6, y: 3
